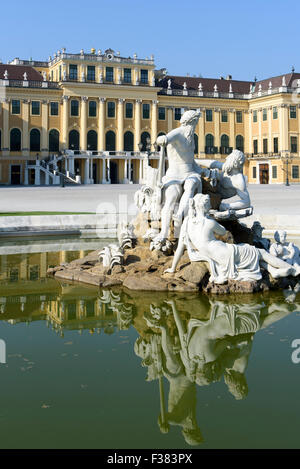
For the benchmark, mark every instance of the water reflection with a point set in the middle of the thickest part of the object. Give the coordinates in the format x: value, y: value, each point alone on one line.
x: 184, y: 342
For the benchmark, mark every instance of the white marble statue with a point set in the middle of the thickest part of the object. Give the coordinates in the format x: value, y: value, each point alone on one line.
x: 25, y: 76
x: 227, y: 261
x: 183, y: 177
x: 111, y: 255
x: 169, y: 84
x: 285, y: 250
x: 231, y: 182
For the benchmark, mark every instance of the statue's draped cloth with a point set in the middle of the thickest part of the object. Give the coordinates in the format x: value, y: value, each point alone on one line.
x: 241, y: 262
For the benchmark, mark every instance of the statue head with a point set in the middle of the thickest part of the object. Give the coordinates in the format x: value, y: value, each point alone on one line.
x: 257, y: 229
x: 201, y: 202
x: 280, y: 236
x: 190, y: 118
x: 236, y: 383
x: 235, y: 160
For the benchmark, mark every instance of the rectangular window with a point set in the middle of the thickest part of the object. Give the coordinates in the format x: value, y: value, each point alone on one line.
x: 295, y: 172
x: 265, y: 146
x: 293, y: 112
x: 208, y: 115
x: 91, y: 74
x: 275, y: 144
x: 275, y: 113
x: 294, y: 145
x: 224, y: 116
x: 127, y: 75
x: 255, y: 147
x: 129, y: 110
x: 92, y: 108
x: 54, y: 108
x: 111, y: 109
x: 254, y: 116
x: 73, y: 72
x: 265, y: 114
x: 254, y: 174
x: 161, y: 113
x: 274, y: 172
x: 35, y: 108
x: 74, y: 108
x: 177, y: 113
x: 144, y: 77
x: 239, y: 117
x: 109, y: 74
x: 146, y: 111
x: 15, y: 106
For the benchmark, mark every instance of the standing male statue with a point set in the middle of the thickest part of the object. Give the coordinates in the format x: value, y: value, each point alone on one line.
x: 183, y: 177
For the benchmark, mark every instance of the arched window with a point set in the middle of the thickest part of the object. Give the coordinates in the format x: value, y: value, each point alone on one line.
x: 224, y: 144
x: 128, y: 141
x: 209, y: 144
x: 54, y: 140
x: 145, y: 137
x: 15, y: 140
x: 35, y: 140
x: 239, y: 142
x: 110, y: 141
x: 196, y: 144
x: 74, y: 140
x: 92, y: 140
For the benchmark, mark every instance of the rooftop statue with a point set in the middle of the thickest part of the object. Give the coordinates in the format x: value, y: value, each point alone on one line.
x: 227, y: 261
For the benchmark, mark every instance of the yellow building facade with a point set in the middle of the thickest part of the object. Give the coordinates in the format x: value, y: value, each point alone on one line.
x: 94, y: 118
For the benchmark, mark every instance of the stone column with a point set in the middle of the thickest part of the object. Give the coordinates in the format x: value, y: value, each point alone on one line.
x: 5, y: 117
x: 137, y: 124
x: 120, y: 123
x: 26, y: 174
x: 129, y: 172
x: 125, y: 180
x: 270, y: 146
x: 108, y: 171
x: 259, y: 117
x: 25, y: 133
x: 283, y: 128
x: 141, y: 171
x: 154, y: 121
x: 217, y: 128
x: 37, y: 176
x: 170, y: 118
x: 65, y: 122
x: 83, y: 123
x: 201, y: 134
x: 104, y: 171
x: 87, y: 171
x: 44, y: 142
x: 231, y: 128
x: 250, y: 140
x: 101, y: 125
x: 23, y: 267
x: 91, y: 171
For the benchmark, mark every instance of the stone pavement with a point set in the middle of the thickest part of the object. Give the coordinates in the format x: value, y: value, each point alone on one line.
x: 275, y: 206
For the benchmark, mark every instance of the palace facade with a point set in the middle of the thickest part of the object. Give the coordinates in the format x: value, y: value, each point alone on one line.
x: 94, y: 118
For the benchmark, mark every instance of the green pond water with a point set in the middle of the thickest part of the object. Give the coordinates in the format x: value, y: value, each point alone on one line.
x: 118, y: 369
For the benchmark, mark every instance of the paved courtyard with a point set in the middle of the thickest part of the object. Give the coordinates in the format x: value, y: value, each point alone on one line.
x: 266, y: 199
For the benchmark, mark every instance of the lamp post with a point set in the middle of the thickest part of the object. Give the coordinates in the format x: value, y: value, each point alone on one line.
x: 286, y: 159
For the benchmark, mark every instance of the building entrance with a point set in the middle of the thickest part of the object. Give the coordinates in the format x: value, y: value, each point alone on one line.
x: 264, y: 174
x: 15, y: 175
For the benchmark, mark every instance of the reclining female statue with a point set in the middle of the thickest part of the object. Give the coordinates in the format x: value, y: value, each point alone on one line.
x: 227, y: 261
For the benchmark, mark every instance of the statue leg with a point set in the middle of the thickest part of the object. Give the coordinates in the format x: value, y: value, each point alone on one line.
x: 172, y: 193
x: 276, y: 266
x: 190, y: 187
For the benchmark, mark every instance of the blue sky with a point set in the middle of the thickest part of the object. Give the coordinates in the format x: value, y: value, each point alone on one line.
x: 211, y: 38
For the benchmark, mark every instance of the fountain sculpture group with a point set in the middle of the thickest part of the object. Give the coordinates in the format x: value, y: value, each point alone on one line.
x: 186, y: 208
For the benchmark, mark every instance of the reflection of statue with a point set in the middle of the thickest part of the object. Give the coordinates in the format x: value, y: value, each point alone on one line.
x: 289, y: 252
x: 182, y: 393
x: 183, y: 177
x: 226, y: 261
x: 231, y: 181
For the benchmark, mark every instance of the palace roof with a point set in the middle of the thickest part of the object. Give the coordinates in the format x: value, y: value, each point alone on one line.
x: 16, y: 72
